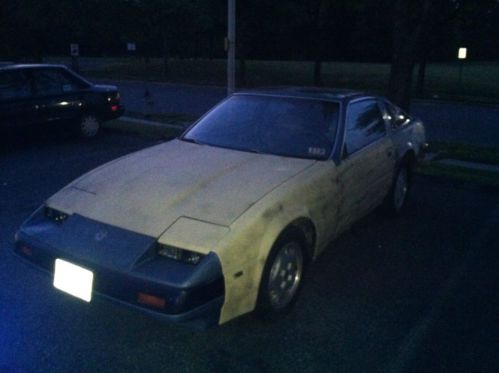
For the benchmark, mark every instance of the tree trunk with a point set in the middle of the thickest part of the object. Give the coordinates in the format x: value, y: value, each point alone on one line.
x: 406, y: 40
x: 241, y: 78
x: 318, y: 73
x: 166, y: 58
x: 421, y: 76
x: 401, y: 81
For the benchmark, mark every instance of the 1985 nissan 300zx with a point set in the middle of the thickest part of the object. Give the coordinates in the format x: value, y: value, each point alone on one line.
x: 225, y: 219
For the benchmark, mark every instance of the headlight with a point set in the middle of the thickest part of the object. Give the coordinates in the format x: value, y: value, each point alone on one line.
x: 180, y: 255
x: 55, y: 215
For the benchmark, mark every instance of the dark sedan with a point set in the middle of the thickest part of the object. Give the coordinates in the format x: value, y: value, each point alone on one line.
x: 37, y: 95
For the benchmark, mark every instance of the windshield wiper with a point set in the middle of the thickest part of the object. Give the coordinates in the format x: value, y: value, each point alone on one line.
x: 194, y: 141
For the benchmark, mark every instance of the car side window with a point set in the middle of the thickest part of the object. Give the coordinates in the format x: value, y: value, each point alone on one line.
x: 364, y: 125
x: 14, y: 84
x: 53, y: 82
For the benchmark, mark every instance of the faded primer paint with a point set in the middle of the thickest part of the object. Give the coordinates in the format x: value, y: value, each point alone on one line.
x: 233, y: 203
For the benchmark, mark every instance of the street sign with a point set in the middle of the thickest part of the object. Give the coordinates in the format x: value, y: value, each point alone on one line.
x: 462, y: 53
x: 131, y: 47
x: 74, y: 50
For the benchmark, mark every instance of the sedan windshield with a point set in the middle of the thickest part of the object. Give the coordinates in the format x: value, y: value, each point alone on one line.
x: 285, y: 126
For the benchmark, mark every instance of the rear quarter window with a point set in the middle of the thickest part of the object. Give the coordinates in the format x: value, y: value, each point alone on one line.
x: 364, y: 125
x: 14, y: 84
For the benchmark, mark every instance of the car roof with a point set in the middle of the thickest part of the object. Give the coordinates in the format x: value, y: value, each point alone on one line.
x: 31, y: 66
x: 324, y: 94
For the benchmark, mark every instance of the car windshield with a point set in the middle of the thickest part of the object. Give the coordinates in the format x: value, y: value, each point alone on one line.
x: 292, y: 127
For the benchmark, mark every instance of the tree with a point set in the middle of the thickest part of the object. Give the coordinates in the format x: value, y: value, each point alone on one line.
x: 414, y: 23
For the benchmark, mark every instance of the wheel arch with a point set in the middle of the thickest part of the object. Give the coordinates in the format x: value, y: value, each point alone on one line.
x: 305, y: 229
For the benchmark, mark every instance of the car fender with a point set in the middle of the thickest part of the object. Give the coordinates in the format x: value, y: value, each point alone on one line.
x: 244, y: 251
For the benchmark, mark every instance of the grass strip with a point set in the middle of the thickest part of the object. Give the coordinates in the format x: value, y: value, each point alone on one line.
x: 441, y: 78
x: 170, y: 118
x: 142, y: 129
x: 465, y: 152
x: 475, y: 177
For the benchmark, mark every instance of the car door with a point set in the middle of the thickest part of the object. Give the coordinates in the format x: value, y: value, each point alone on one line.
x: 57, y: 96
x: 368, y: 161
x: 16, y: 105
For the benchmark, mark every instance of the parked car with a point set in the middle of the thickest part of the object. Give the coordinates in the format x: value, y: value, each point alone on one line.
x: 226, y: 218
x: 37, y: 95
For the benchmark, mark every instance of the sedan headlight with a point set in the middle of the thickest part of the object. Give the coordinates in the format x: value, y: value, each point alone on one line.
x: 180, y: 255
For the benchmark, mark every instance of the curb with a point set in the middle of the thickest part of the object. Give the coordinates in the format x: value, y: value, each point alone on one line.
x: 152, y: 123
x: 469, y: 165
x: 433, y: 158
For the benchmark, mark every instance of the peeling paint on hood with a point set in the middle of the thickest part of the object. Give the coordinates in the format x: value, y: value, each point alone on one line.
x: 149, y: 190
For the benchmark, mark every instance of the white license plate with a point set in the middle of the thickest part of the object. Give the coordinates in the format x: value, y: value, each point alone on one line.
x: 73, y: 279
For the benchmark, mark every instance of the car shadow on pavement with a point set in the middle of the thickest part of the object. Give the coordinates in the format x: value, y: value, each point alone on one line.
x: 25, y: 139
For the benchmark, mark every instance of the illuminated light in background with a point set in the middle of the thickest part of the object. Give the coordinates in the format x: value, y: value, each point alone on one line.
x: 462, y: 53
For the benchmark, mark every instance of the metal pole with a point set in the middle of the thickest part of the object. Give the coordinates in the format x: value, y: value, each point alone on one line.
x: 231, y: 47
x: 461, y: 64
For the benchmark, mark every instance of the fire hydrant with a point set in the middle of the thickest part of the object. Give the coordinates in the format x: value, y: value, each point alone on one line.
x: 148, y: 103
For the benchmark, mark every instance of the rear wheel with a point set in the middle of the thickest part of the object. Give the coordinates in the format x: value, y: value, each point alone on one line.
x: 282, y: 277
x: 89, y: 126
x: 397, y: 197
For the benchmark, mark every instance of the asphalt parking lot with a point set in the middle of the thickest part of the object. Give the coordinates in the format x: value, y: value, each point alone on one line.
x: 418, y: 293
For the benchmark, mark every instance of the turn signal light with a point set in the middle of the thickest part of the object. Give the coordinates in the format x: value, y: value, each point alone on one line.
x: 151, y: 300
x: 26, y: 250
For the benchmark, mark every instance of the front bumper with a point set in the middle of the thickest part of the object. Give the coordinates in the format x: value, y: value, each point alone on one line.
x: 193, y: 295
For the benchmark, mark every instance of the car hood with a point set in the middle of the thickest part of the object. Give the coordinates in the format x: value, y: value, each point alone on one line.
x: 148, y: 191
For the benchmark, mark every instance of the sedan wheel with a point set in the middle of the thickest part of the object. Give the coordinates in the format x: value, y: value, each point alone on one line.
x: 400, y: 189
x: 89, y: 126
x: 282, y: 278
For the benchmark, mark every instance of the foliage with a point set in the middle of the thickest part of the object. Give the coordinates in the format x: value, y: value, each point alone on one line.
x: 295, y: 29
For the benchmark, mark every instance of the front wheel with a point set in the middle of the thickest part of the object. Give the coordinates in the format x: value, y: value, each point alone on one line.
x: 89, y: 126
x: 397, y: 197
x: 282, y: 277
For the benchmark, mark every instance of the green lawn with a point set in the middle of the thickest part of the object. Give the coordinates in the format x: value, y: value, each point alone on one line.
x: 465, y: 152
x: 480, y: 79
x: 472, y: 177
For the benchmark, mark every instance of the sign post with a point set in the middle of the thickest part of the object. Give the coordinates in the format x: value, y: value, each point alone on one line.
x: 462, y: 54
x: 74, y: 51
x: 230, y: 44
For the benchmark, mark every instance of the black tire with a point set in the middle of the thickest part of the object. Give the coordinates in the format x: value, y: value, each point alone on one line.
x: 396, y: 200
x: 272, y: 302
x: 89, y: 126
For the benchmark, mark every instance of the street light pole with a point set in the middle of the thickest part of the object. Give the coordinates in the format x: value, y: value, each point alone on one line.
x: 231, y: 47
